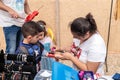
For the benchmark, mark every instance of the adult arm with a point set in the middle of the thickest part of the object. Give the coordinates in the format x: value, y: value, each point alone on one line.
x: 27, y: 8
x: 4, y: 7
x: 89, y: 66
x: 13, y: 13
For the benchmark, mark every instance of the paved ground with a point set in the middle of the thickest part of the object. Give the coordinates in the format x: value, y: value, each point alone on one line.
x: 113, y: 62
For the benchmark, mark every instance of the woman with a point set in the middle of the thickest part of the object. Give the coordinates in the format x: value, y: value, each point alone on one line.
x: 91, y: 44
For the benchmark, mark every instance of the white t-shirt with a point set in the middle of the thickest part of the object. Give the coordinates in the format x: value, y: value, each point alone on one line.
x: 94, y: 50
x: 6, y: 19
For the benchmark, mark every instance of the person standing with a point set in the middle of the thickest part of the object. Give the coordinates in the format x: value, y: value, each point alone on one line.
x: 12, y: 15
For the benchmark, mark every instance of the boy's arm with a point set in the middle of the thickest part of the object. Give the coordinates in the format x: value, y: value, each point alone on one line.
x: 27, y: 8
x: 13, y: 13
x: 22, y: 50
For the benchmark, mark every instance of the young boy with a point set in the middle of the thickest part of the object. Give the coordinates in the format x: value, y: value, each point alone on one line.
x: 31, y: 32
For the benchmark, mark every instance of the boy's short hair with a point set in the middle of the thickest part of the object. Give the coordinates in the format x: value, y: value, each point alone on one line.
x: 31, y: 28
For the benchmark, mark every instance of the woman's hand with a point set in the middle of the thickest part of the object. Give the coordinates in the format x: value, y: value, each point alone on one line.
x: 58, y: 55
x: 65, y: 55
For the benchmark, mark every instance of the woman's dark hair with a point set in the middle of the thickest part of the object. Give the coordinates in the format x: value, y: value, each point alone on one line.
x: 82, y: 25
x: 31, y: 28
x: 42, y: 24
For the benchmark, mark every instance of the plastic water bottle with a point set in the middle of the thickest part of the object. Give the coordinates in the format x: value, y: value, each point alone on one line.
x: 19, y: 5
x: 46, y: 62
x: 43, y: 75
